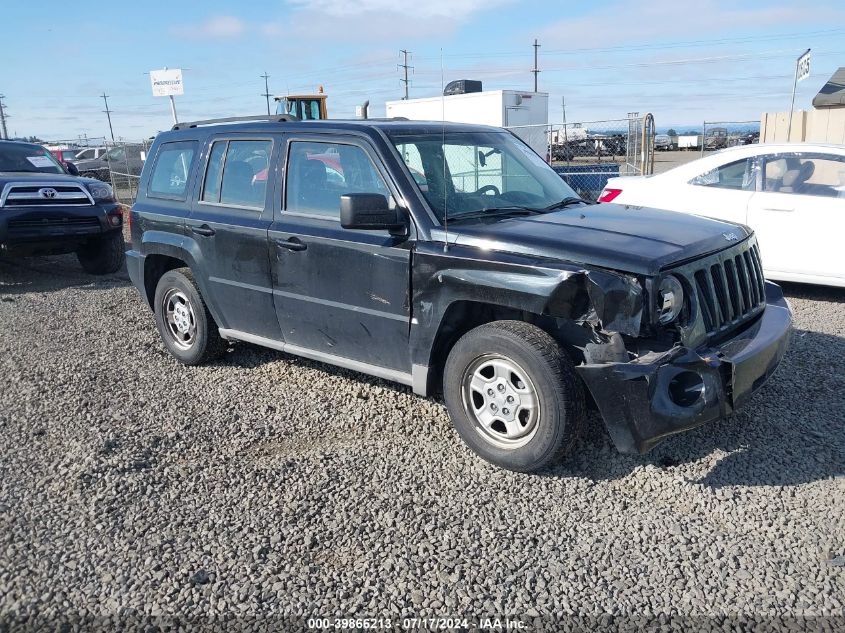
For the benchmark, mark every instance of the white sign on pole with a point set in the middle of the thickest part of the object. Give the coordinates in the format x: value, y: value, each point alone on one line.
x: 803, y: 70
x: 167, y: 82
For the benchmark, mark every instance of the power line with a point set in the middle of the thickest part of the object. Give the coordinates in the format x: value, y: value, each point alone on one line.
x: 266, y: 90
x: 108, y: 114
x: 405, y: 66
x: 647, y: 46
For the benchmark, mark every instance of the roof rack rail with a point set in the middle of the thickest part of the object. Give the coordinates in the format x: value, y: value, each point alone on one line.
x: 271, y: 118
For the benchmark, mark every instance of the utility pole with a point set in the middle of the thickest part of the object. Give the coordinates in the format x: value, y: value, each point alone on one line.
x: 3, y: 118
x: 536, y: 70
x: 108, y: 114
x: 563, y: 106
x: 266, y: 91
x: 405, y: 81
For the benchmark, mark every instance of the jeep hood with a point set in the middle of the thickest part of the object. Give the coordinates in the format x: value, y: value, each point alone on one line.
x: 638, y: 240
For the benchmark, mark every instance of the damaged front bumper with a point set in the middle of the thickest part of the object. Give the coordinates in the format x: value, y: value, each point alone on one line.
x: 660, y: 394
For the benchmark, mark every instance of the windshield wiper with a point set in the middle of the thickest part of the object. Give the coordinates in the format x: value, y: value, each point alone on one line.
x: 566, y: 202
x: 495, y: 212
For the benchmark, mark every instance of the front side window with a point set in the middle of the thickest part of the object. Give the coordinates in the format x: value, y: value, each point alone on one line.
x: 467, y: 173
x: 319, y: 173
x: 237, y: 173
x: 805, y: 174
x: 739, y: 174
x: 171, y: 170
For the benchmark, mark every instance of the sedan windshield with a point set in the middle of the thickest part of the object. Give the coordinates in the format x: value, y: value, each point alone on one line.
x: 25, y: 157
x: 473, y: 174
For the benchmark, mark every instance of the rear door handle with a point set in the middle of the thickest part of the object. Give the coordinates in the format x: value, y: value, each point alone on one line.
x: 779, y: 209
x: 204, y: 230
x: 292, y: 244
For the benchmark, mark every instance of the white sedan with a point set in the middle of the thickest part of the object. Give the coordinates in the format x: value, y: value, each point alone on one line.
x: 792, y: 195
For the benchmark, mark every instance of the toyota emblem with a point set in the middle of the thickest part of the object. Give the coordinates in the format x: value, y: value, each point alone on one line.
x: 48, y: 192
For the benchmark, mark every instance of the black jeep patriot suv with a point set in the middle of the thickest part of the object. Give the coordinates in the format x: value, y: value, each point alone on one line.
x: 44, y: 210
x: 450, y: 256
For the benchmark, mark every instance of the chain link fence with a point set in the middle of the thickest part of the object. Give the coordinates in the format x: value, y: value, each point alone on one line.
x: 587, y: 153
x: 718, y: 135
x: 120, y: 164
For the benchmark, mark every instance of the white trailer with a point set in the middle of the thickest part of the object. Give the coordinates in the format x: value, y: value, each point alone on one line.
x: 689, y: 141
x: 527, y: 113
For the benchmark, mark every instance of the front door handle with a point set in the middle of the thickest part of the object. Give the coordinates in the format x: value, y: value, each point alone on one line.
x: 292, y: 244
x: 203, y: 230
x: 779, y: 209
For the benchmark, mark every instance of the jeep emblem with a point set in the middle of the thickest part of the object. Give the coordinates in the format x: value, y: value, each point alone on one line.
x: 48, y: 192
x: 731, y: 237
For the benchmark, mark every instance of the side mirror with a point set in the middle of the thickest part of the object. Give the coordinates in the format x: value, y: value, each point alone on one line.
x: 368, y: 211
x: 71, y: 169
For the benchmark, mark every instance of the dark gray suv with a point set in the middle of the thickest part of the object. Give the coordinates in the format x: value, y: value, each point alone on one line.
x: 452, y: 258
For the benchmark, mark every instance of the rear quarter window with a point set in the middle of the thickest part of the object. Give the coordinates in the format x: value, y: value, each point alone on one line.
x: 172, y: 166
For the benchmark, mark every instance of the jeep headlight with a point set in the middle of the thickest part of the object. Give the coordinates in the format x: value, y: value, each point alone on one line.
x: 100, y: 191
x: 670, y: 299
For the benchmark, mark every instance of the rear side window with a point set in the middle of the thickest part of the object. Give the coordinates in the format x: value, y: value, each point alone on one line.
x: 171, y: 169
x: 737, y: 175
x: 237, y: 173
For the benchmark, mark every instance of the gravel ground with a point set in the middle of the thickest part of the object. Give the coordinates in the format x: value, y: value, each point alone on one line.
x: 264, y: 488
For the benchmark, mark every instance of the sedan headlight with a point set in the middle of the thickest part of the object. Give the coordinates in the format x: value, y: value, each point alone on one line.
x: 670, y: 299
x: 101, y: 192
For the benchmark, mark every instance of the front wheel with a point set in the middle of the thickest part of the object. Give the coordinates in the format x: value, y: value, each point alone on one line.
x: 186, y: 326
x: 513, y: 395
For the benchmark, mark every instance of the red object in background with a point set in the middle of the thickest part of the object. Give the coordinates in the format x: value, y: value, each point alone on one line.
x: 608, y: 195
x: 59, y: 154
x: 330, y: 160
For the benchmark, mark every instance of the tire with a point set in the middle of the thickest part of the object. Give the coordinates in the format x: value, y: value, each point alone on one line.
x: 186, y: 326
x: 103, y: 256
x: 520, y: 361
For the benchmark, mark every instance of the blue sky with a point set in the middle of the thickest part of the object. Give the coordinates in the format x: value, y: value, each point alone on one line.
x: 685, y: 62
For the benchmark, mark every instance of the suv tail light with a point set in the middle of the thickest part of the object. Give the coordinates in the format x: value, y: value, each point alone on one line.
x: 609, y: 195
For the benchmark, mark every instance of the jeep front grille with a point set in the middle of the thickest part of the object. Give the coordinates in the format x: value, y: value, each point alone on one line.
x: 729, y: 287
x: 24, y: 194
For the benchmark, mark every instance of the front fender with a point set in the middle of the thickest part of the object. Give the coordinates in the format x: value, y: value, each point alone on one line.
x: 609, y: 301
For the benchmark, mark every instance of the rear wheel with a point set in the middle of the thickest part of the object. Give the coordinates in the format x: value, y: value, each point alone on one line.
x: 186, y: 326
x: 513, y: 395
x: 103, y: 256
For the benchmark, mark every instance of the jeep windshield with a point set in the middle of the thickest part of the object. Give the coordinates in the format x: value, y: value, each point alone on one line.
x: 481, y: 174
x: 27, y: 157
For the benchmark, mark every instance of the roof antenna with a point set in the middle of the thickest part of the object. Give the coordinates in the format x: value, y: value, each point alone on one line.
x: 443, y: 151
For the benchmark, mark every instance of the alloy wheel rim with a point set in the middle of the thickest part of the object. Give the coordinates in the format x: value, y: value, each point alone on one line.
x: 501, y: 400
x: 179, y: 318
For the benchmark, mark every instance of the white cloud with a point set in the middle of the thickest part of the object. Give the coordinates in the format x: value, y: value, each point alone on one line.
x: 622, y: 22
x: 218, y: 26
x: 386, y: 20
x: 454, y: 9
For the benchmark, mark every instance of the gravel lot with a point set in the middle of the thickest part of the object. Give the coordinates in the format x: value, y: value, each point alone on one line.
x: 265, y: 487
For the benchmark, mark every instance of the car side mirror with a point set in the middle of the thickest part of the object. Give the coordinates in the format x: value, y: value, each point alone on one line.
x: 368, y: 212
x: 71, y: 169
